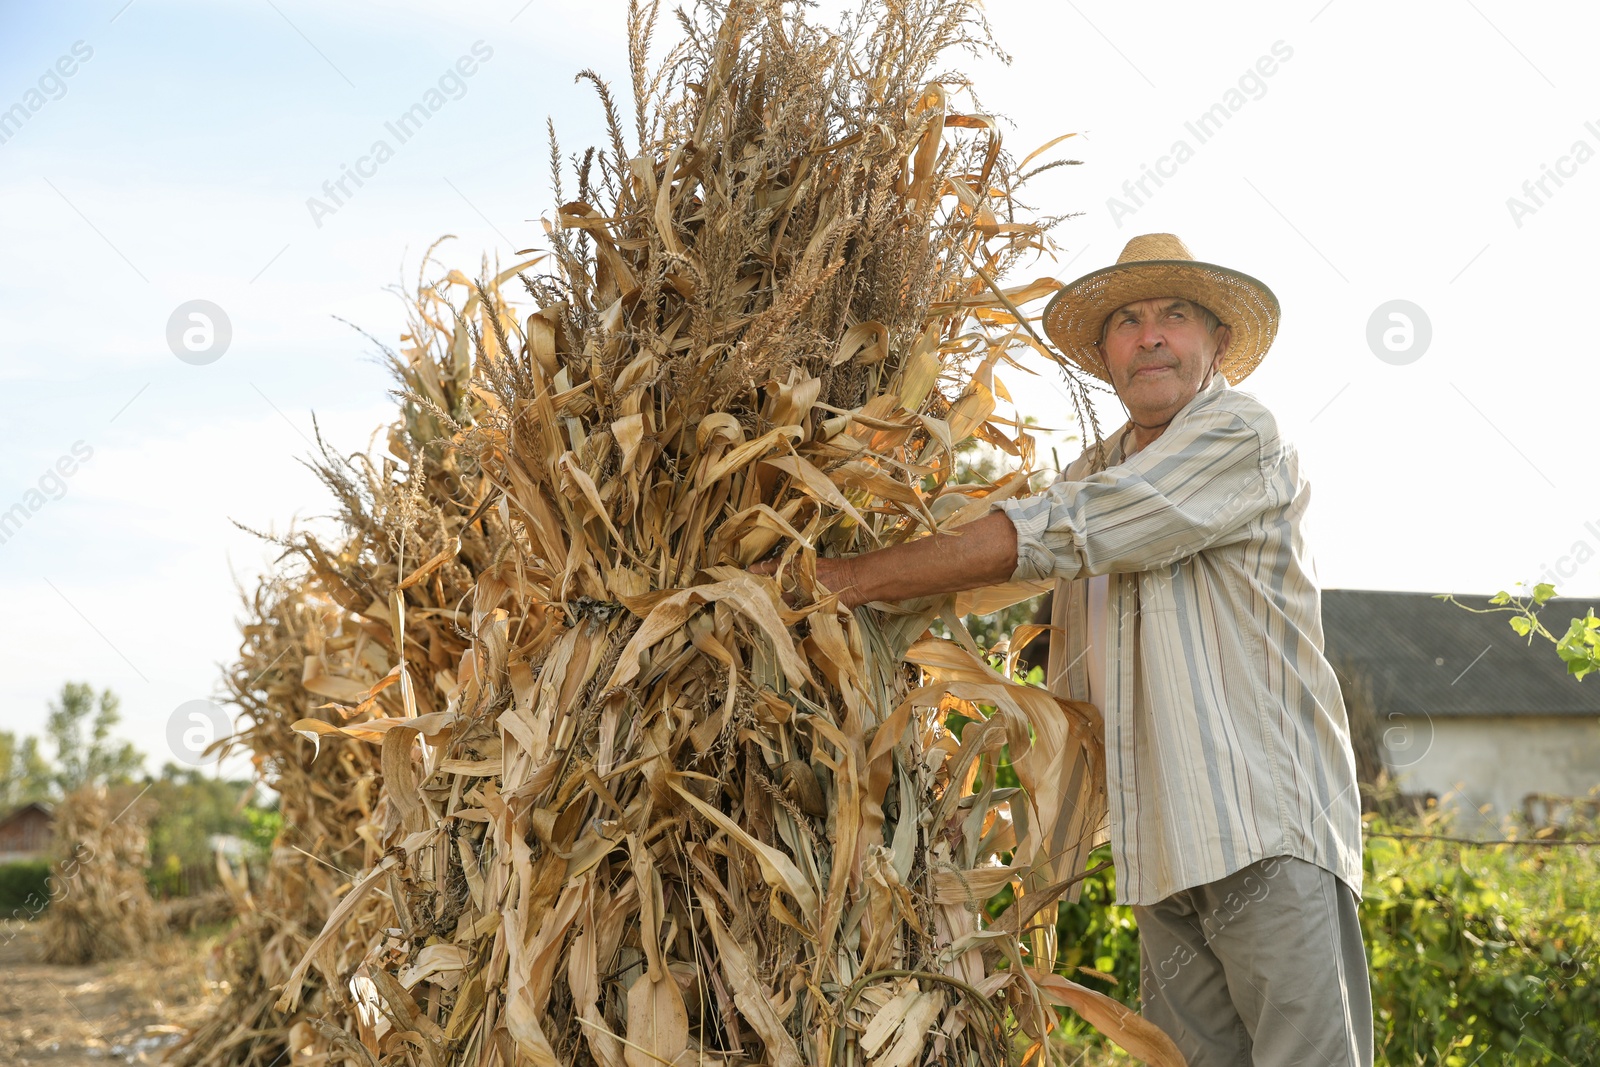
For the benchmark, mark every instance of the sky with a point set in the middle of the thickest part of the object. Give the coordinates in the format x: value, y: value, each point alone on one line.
x: 1438, y: 161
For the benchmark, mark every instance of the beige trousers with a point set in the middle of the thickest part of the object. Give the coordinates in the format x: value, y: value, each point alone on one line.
x: 1263, y: 968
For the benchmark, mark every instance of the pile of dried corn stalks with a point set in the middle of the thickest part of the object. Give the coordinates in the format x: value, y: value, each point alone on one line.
x: 637, y: 806
x: 323, y: 807
x: 100, y: 908
x: 322, y: 632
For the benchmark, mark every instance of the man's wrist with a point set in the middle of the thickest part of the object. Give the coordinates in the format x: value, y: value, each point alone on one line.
x: 842, y: 580
x: 1023, y: 555
x: 834, y: 574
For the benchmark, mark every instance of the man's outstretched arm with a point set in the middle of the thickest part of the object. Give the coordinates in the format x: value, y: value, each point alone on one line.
x: 981, y: 553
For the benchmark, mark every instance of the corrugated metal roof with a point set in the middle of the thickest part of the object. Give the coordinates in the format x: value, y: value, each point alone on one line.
x: 1427, y: 656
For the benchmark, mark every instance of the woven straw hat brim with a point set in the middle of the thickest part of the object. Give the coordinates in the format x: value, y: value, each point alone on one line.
x: 1075, y: 315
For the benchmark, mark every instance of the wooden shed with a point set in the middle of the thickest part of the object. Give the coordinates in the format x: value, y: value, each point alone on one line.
x: 25, y: 832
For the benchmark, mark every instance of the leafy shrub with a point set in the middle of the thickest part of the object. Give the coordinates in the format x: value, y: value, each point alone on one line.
x: 1482, y: 955
x: 1479, y: 956
x: 23, y: 887
x: 190, y: 809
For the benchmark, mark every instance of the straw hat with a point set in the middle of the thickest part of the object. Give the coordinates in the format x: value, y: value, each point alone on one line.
x: 1154, y: 265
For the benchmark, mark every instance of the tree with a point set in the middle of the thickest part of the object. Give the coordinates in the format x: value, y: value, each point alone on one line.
x: 97, y: 756
x: 189, y: 810
x: 24, y: 772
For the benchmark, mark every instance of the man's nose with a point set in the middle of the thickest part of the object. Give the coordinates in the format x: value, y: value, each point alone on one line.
x: 1150, y: 335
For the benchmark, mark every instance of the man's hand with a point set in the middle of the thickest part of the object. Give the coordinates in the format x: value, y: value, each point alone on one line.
x: 981, y: 553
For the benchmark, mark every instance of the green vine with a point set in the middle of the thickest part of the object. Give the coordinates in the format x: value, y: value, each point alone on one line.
x: 1579, y: 647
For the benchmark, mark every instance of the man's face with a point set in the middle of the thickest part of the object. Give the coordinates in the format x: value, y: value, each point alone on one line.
x: 1158, y: 352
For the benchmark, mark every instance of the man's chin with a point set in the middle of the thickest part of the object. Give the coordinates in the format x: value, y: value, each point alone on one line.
x: 1157, y: 396
x: 1155, y: 406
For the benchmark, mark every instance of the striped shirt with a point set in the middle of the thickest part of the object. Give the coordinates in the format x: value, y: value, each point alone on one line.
x: 1226, y: 735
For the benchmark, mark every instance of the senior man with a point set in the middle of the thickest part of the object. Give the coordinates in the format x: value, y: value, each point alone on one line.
x: 1187, y: 611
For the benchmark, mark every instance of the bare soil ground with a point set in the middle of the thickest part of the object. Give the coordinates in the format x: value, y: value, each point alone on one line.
x: 131, y: 1011
x: 123, y: 1011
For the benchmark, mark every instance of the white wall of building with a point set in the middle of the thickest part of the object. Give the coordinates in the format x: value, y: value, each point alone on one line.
x: 1494, y: 761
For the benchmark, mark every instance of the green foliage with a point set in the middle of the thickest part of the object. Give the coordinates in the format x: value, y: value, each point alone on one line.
x: 79, y: 729
x: 24, y: 888
x: 263, y: 827
x: 1579, y: 648
x: 1482, y: 955
x: 987, y: 630
x: 189, y: 810
x: 95, y: 757
x: 1479, y: 955
x: 25, y: 774
x: 1095, y: 935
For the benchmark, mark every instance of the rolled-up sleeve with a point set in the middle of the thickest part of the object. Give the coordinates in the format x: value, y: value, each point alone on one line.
x: 1199, y: 484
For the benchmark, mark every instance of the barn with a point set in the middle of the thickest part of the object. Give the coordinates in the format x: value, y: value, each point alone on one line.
x: 25, y: 832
